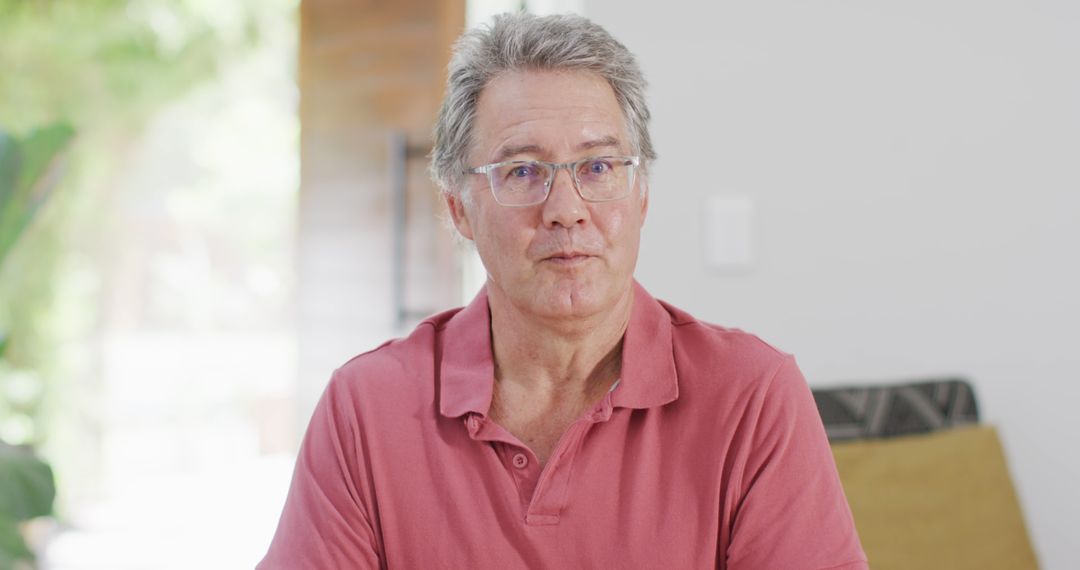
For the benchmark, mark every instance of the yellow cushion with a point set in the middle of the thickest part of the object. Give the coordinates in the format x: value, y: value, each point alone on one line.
x: 940, y: 500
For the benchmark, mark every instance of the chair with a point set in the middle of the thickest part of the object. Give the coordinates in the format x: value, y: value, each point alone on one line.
x: 928, y: 484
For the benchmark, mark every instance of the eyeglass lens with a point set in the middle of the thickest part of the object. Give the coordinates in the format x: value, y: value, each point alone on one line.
x: 597, y: 179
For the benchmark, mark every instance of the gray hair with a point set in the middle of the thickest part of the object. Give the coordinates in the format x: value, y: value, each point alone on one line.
x: 522, y: 42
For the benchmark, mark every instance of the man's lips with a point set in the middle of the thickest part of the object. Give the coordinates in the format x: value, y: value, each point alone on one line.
x: 569, y: 257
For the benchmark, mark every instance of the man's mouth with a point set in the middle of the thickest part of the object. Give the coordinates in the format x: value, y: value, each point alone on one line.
x: 568, y: 258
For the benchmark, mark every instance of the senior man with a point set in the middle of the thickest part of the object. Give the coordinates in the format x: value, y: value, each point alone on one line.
x: 565, y: 418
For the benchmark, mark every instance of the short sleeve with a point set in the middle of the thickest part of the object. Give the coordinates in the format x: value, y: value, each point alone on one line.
x: 325, y: 524
x: 792, y: 512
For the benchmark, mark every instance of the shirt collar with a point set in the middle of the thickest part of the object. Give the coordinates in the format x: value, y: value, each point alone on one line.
x: 648, y: 359
x: 467, y: 371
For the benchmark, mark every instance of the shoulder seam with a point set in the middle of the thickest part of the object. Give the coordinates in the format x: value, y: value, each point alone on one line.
x: 714, y: 328
x: 387, y: 343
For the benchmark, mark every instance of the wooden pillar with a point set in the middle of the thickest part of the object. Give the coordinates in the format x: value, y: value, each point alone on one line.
x: 369, y: 70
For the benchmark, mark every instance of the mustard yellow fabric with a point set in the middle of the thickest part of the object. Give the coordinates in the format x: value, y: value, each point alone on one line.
x: 942, y: 500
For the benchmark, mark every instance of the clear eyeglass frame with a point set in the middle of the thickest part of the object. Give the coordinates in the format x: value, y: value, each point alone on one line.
x: 630, y: 163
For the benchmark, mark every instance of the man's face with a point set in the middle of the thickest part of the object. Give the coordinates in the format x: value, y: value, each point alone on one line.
x: 565, y: 257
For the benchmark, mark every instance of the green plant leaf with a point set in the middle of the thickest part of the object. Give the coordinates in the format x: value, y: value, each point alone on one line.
x: 10, y: 162
x: 28, y: 163
x: 12, y: 546
x: 27, y: 488
x: 39, y: 149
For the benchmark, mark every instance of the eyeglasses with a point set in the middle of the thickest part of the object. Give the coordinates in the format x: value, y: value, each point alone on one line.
x: 518, y: 183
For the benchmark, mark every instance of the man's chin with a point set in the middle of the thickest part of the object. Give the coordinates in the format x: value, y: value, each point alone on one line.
x: 569, y: 299
x: 570, y: 296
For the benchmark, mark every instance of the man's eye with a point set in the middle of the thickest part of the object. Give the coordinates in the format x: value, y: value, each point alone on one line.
x: 597, y: 167
x: 523, y: 171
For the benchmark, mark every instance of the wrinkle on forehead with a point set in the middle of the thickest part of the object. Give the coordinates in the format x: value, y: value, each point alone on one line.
x: 552, y: 115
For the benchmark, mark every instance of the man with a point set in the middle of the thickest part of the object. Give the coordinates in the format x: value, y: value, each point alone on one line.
x: 565, y: 418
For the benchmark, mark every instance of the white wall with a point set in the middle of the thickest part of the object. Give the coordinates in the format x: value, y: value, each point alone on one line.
x: 915, y: 169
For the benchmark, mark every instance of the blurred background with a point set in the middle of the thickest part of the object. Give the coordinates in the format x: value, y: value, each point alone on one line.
x: 211, y: 205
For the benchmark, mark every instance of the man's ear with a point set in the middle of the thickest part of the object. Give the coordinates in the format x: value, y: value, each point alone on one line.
x: 456, y: 206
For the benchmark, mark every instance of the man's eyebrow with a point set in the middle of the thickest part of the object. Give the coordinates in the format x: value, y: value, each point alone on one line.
x: 608, y: 141
x: 508, y: 152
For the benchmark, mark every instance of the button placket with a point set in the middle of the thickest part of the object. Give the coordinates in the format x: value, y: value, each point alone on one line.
x: 550, y: 495
x: 522, y: 469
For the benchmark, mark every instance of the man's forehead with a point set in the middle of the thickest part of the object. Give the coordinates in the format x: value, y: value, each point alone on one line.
x: 541, y: 112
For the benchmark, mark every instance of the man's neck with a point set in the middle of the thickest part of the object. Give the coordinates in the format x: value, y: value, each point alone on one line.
x: 558, y: 358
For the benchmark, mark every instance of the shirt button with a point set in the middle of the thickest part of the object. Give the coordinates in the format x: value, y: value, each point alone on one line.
x: 520, y: 461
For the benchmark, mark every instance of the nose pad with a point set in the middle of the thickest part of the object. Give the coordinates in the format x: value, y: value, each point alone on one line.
x: 569, y: 181
x: 564, y: 206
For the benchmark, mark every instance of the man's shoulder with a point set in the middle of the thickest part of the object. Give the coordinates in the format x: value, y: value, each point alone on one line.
x: 730, y: 371
x: 697, y: 338
x: 399, y: 363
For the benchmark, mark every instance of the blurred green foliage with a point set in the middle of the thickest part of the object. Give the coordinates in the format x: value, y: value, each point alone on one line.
x: 27, y: 490
x: 28, y: 174
x: 104, y: 67
x: 110, y: 61
x: 24, y: 184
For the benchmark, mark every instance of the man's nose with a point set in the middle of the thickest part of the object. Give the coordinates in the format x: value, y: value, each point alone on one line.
x: 564, y: 206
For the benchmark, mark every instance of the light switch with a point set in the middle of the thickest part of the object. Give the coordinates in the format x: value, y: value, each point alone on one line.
x: 728, y: 229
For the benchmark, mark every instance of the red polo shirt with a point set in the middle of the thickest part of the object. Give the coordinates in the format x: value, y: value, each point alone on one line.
x: 709, y: 453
